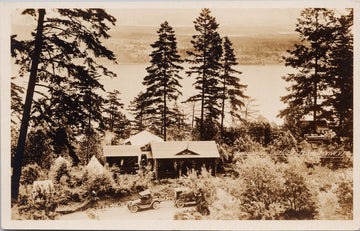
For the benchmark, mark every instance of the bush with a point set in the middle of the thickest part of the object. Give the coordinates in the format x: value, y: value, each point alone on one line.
x: 204, y: 188
x: 31, y: 173
x: 35, y: 204
x: 344, y: 192
x: 303, y: 161
x: 262, y: 181
x: 260, y: 132
x: 247, y: 144
x: 101, y: 185
x: 133, y: 183
x: 282, y: 145
x: 273, y: 191
x: 227, y: 206
x: 300, y: 201
x: 60, y: 167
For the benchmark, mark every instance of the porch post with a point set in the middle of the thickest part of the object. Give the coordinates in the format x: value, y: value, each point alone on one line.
x: 214, y: 166
x: 180, y: 171
x: 156, y: 169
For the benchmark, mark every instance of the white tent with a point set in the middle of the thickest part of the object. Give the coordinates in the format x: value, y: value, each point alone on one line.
x: 94, y: 167
x: 143, y: 138
x: 60, y: 160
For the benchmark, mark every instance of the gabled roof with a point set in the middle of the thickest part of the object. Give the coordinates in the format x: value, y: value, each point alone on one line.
x: 121, y: 150
x: 143, y: 138
x: 184, y: 149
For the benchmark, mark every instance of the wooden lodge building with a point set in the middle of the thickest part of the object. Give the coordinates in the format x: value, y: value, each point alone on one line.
x: 168, y: 159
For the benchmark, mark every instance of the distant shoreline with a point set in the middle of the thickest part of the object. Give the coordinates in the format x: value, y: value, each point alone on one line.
x: 240, y: 64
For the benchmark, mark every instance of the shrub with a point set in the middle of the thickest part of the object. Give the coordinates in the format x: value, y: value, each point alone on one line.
x: 247, y: 144
x: 282, y: 146
x: 133, y: 183
x: 60, y: 167
x: 227, y: 206
x: 31, y: 173
x: 263, y: 184
x: 203, y: 186
x: 226, y: 152
x: 40, y: 205
x: 344, y: 192
x: 260, y: 132
x: 101, y: 185
x: 303, y: 161
x: 274, y: 191
x: 300, y: 201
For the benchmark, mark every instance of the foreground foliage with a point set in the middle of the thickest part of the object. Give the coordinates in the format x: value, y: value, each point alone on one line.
x: 256, y: 185
x: 262, y: 187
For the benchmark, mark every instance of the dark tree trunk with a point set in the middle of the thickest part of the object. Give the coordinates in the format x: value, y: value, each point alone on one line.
x: 203, y: 93
x: 316, y: 74
x: 223, y: 109
x: 18, y: 159
x: 164, y: 110
x: 193, y: 116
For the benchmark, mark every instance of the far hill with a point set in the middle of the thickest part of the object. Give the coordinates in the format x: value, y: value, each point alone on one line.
x: 131, y: 44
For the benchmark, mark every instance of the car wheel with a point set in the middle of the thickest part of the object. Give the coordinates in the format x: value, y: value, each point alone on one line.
x: 180, y: 203
x: 133, y: 208
x: 156, y: 205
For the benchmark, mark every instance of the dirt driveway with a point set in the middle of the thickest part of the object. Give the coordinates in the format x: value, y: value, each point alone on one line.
x: 166, y: 211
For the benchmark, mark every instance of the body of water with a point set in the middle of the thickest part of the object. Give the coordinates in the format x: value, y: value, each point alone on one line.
x: 264, y: 84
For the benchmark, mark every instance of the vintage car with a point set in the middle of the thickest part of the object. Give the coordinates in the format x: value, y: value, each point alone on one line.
x: 184, y: 196
x: 144, y: 202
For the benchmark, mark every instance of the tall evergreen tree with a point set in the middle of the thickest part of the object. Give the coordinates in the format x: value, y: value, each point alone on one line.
x: 178, y: 129
x: 341, y: 72
x: 309, y: 86
x: 61, y: 59
x: 162, y: 81
x: 116, y: 121
x: 16, y: 101
x: 206, y: 66
x: 137, y: 108
x: 16, y: 91
x: 232, y: 90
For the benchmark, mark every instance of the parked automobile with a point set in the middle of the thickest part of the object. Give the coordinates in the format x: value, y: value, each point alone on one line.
x: 145, y: 201
x: 184, y: 196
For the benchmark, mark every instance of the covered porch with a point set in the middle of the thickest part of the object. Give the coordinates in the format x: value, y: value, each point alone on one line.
x: 175, y: 158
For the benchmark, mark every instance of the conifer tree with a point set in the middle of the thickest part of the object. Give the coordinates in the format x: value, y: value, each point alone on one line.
x: 206, y: 66
x: 309, y: 86
x: 341, y: 72
x: 137, y: 108
x: 162, y: 81
x: 61, y: 59
x: 16, y: 101
x: 232, y: 90
x: 116, y: 121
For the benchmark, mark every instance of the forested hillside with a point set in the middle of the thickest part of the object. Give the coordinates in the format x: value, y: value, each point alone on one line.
x: 131, y: 44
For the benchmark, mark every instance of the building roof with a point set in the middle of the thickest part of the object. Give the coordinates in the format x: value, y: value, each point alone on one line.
x: 184, y: 149
x: 121, y: 150
x: 143, y: 138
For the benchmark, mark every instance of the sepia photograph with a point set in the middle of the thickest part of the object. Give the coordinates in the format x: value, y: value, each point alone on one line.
x: 179, y: 112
